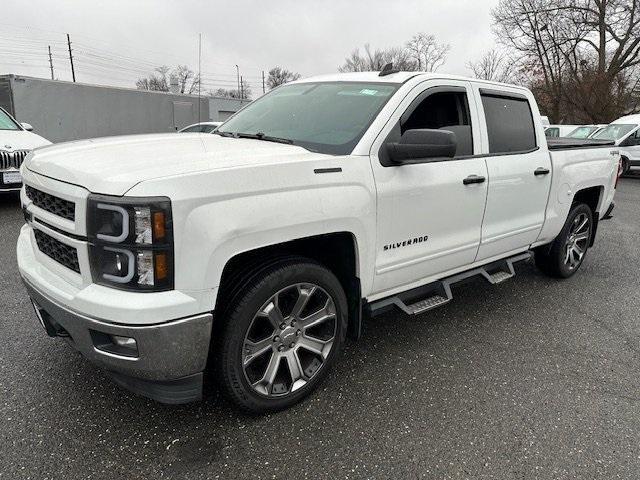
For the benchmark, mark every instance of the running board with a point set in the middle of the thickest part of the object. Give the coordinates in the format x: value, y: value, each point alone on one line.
x: 436, y: 294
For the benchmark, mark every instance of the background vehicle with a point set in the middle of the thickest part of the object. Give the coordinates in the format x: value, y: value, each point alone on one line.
x: 16, y: 141
x: 585, y: 131
x: 556, y: 131
x: 625, y: 132
x: 323, y: 200
x: 202, y: 127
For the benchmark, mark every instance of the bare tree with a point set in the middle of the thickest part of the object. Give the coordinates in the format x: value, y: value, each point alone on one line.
x: 244, y: 93
x: 160, y: 80
x: 494, y: 66
x: 425, y: 50
x: 278, y: 76
x: 541, y: 45
x: 157, y: 81
x: 582, y: 56
x: 188, y: 81
x: 374, y: 60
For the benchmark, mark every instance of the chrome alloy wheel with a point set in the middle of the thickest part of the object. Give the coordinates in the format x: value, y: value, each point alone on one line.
x: 577, y: 241
x: 289, y: 339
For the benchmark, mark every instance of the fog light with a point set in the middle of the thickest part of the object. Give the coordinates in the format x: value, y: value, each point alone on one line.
x: 114, y: 344
x: 125, y: 342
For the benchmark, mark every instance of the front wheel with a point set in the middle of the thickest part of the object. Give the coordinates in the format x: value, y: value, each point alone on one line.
x: 283, y: 331
x: 568, y: 250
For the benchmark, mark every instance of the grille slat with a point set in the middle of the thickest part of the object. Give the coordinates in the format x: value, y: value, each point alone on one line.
x: 58, y: 251
x: 12, y: 159
x: 52, y: 204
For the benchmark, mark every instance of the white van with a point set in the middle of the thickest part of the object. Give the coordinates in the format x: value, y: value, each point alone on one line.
x: 626, y: 133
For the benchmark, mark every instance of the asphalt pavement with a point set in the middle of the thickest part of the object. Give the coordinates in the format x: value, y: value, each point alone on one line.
x: 531, y: 379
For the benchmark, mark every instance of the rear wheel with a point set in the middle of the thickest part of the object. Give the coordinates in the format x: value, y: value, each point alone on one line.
x: 566, y: 254
x: 626, y: 166
x: 283, y: 332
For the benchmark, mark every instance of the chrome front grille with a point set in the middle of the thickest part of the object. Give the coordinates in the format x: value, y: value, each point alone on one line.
x: 52, y: 204
x: 12, y: 159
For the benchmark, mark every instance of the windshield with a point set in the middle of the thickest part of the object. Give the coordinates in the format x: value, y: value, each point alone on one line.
x: 582, y: 132
x: 615, y: 131
x: 322, y: 117
x: 6, y: 122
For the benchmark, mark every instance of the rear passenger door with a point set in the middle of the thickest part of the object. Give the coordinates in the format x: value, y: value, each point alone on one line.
x: 519, y: 171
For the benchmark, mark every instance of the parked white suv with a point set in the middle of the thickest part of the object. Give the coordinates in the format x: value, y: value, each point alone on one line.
x: 16, y: 141
x: 625, y: 132
x: 255, y: 251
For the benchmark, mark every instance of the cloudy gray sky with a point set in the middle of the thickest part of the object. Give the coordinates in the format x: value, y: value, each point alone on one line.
x: 117, y: 41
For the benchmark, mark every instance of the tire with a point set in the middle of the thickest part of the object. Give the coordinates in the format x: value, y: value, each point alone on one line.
x: 283, y: 330
x: 626, y: 166
x: 565, y: 255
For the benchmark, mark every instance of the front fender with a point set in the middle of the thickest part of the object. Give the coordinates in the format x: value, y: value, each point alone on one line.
x: 220, y: 214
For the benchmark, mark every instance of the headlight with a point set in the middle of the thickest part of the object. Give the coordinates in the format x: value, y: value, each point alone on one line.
x: 131, y: 242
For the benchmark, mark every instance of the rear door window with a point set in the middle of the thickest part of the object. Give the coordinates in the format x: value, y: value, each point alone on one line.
x: 510, y: 124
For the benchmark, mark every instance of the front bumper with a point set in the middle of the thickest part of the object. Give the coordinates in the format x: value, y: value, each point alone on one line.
x: 169, y: 360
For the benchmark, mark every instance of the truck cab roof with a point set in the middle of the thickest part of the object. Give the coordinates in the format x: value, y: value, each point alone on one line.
x: 396, y: 78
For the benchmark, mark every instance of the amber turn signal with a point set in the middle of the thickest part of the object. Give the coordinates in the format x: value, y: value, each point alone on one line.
x: 158, y: 225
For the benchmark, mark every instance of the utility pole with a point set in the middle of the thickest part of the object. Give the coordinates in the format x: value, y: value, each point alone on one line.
x: 199, y: 74
x: 238, y: 75
x: 241, y: 88
x: 73, y: 71
x: 51, y: 62
x: 263, y: 89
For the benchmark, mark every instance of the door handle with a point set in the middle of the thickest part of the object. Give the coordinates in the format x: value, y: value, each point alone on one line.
x: 541, y: 171
x: 474, y: 179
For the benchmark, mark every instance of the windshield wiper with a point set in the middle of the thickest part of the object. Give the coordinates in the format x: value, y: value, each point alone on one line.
x: 255, y: 136
x: 266, y: 138
x: 224, y: 134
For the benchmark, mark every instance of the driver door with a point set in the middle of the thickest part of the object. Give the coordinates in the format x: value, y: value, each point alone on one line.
x: 429, y: 219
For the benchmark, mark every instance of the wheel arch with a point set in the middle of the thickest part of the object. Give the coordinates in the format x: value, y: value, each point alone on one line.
x: 593, y: 198
x: 337, y: 251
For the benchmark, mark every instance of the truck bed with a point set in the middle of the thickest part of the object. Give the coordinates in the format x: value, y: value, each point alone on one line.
x: 569, y: 143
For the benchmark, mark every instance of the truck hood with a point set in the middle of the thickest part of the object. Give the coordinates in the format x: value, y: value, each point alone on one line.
x: 114, y: 165
x: 20, y: 140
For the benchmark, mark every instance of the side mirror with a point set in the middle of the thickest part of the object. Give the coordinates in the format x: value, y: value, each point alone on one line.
x: 422, y: 146
x: 27, y: 126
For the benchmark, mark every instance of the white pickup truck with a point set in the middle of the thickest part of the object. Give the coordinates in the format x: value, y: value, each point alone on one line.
x: 255, y: 251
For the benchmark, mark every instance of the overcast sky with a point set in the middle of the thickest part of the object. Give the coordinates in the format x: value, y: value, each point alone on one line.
x: 117, y: 41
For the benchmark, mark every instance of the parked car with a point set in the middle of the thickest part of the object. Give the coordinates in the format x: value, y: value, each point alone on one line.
x: 202, y: 127
x: 16, y: 141
x: 324, y: 201
x: 585, y: 131
x: 625, y: 132
x: 558, y: 131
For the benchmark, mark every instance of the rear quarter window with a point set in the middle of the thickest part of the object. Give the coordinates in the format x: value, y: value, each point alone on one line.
x: 510, y: 124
